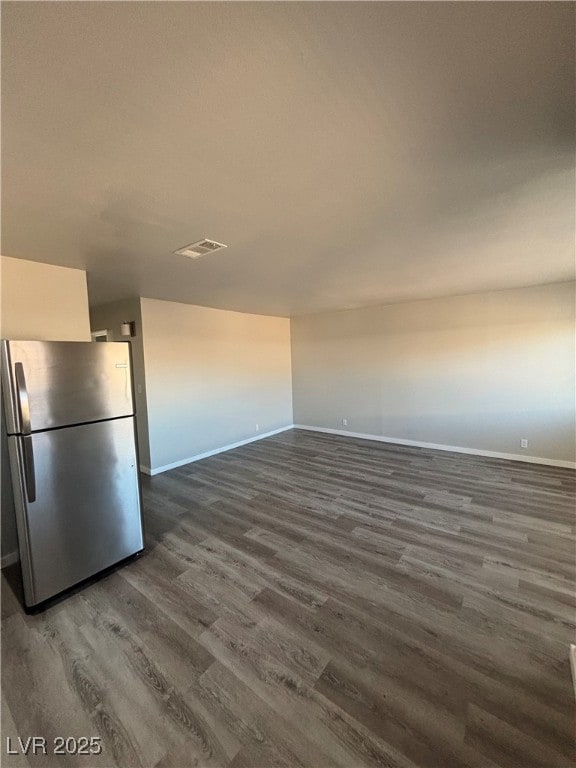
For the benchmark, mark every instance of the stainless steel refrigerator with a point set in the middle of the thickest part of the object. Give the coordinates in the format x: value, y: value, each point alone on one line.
x: 69, y: 409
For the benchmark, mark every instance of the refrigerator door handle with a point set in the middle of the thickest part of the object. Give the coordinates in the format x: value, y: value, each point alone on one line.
x: 23, y: 401
x: 29, y: 472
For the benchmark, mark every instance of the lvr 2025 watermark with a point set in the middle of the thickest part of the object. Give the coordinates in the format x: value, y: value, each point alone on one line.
x: 59, y: 745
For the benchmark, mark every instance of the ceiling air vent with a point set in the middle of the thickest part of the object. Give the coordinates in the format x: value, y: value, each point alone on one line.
x: 199, y: 249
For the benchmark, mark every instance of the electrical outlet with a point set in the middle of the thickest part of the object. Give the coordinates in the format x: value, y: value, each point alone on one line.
x: 523, y: 443
x: 257, y: 427
x: 344, y: 422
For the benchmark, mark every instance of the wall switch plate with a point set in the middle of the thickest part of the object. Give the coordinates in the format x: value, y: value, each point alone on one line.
x: 523, y: 443
x: 344, y: 422
x: 257, y: 427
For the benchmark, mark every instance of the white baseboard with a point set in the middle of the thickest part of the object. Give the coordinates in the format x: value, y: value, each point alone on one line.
x: 199, y: 456
x: 439, y: 447
x: 9, y: 559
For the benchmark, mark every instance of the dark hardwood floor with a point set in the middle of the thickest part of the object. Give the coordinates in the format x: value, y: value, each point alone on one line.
x: 310, y: 600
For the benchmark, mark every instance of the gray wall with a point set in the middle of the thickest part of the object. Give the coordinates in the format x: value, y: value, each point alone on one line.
x: 110, y: 317
x: 211, y: 376
x: 480, y: 371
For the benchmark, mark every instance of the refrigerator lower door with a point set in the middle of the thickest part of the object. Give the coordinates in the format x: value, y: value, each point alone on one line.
x: 77, y: 503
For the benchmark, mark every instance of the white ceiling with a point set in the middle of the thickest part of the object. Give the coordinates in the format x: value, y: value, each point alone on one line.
x: 348, y: 153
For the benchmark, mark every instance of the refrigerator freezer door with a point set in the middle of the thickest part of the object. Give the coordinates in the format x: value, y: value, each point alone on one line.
x: 84, y: 513
x: 51, y: 384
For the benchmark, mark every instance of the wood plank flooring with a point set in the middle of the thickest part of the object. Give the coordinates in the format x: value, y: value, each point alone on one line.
x: 313, y: 600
